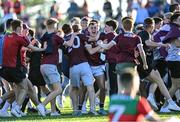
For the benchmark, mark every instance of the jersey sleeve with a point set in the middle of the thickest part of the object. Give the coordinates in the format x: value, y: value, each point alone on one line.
x: 143, y: 107
x: 115, y: 40
x: 144, y: 36
x: 23, y: 41
x: 60, y: 40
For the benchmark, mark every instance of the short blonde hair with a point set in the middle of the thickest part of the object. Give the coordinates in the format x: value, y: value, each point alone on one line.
x: 128, y: 24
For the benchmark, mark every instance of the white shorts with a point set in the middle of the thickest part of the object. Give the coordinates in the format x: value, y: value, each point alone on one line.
x: 81, y: 72
x: 98, y: 70
x: 50, y: 74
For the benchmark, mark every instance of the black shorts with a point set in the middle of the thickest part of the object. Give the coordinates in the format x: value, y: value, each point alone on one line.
x: 174, y: 67
x: 15, y: 75
x: 36, y: 78
x: 144, y: 73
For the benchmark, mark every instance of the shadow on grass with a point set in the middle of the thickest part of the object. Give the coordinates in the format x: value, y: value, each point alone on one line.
x: 36, y: 117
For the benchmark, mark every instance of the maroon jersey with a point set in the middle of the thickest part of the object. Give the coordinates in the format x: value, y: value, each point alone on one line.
x: 55, y: 43
x: 126, y: 45
x: 111, y: 53
x: 77, y: 53
x: 95, y: 60
x: 11, y: 50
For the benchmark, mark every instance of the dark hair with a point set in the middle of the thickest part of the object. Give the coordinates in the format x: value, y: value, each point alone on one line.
x: 15, y: 24
x: 31, y: 32
x: 66, y: 28
x: 76, y: 28
x: 148, y: 22
x: 92, y: 23
x: 25, y: 26
x: 51, y: 21
x: 174, y: 16
x: 173, y: 7
x: 112, y: 23
x: 8, y: 23
x: 1, y: 28
x: 157, y: 20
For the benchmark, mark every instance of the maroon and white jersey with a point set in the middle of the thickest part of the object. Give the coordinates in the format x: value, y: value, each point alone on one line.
x: 126, y: 44
x: 77, y: 53
x: 95, y: 60
x: 111, y: 53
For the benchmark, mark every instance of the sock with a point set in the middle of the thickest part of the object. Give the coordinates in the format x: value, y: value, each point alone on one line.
x: 1, y: 101
x: 80, y: 107
x: 101, y: 105
x: 14, y: 104
x: 6, y: 106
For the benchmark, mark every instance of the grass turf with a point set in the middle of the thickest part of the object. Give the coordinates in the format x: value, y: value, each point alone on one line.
x: 67, y: 117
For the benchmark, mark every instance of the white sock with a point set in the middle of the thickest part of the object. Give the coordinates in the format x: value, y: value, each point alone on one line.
x: 14, y: 104
x: 1, y: 100
x: 6, y: 106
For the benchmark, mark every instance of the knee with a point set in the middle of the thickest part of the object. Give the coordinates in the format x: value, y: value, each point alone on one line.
x: 58, y: 91
x: 90, y: 88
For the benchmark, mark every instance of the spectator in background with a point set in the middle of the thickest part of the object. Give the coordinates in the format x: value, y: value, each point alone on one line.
x: 54, y: 11
x: 153, y: 8
x: 18, y: 8
x: 1, y: 12
x: 7, y: 5
x: 139, y: 12
x: 73, y: 10
x: 174, y: 8
x: 107, y: 8
x: 85, y: 8
x: 10, y: 15
x: 40, y: 25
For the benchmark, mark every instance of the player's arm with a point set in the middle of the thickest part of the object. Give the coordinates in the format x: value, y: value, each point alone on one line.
x: 33, y: 48
x: 145, y: 109
x: 142, y: 55
x: 70, y: 42
x: 91, y: 50
x: 155, y: 44
x: 108, y: 45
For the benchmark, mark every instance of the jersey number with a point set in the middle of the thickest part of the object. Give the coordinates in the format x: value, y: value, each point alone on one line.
x: 118, y: 110
x: 76, y: 44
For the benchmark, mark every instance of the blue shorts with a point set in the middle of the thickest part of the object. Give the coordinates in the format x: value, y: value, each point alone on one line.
x: 98, y: 70
x: 81, y: 72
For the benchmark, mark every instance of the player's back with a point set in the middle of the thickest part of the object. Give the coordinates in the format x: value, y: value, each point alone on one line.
x: 125, y: 108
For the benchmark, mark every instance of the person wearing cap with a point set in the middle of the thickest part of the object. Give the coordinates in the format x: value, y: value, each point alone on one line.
x: 126, y: 106
x: 49, y: 61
